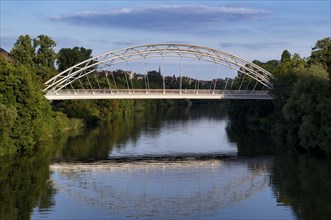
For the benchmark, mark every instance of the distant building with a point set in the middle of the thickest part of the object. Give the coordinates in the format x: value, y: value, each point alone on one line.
x: 140, y: 76
x: 5, y: 54
x: 168, y: 78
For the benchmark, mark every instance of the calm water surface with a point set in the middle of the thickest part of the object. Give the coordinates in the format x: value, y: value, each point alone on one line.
x: 182, y: 163
x: 165, y: 169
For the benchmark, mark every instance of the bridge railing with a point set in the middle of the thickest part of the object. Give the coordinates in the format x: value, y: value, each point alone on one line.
x: 161, y: 91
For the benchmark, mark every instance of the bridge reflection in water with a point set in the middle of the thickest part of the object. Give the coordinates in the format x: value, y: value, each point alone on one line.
x: 169, y: 189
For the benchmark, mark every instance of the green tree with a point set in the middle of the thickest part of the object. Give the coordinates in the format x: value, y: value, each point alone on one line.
x: 68, y: 57
x: 7, y: 118
x: 308, y: 111
x: 286, y: 56
x: 23, y: 51
x: 155, y: 79
x: 37, y: 53
x: 322, y: 54
x: 272, y: 65
x: 25, y: 115
x: 286, y: 76
x: 45, y: 55
x: 291, y: 64
x: 297, y: 62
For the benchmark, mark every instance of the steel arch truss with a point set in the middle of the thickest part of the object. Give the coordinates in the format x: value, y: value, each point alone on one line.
x: 86, y: 67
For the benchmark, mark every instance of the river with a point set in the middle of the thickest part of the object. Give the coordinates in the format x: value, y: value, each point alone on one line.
x: 187, y: 162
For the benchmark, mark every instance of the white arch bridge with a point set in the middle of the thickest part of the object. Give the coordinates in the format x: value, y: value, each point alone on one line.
x: 95, y: 78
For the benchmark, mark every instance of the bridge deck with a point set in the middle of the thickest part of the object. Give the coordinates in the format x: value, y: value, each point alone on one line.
x: 157, y: 94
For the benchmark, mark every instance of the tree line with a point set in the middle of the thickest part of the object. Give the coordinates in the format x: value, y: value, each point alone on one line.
x: 300, y: 115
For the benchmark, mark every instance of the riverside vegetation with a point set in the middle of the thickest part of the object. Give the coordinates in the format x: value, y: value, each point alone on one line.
x: 299, y: 116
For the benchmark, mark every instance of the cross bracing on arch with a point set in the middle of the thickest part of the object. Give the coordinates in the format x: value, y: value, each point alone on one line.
x: 200, y: 53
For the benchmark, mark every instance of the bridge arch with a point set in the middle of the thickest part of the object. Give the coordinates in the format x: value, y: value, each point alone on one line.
x: 110, y: 58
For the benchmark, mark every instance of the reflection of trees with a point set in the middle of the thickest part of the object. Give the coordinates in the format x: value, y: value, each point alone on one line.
x: 304, y: 184
x: 25, y: 180
x: 163, y: 189
x: 96, y: 143
x: 90, y: 145
x: 24, y: 185
x: 249, y: 141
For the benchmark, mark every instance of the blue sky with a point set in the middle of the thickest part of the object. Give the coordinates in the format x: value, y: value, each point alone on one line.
x: 250, y: 29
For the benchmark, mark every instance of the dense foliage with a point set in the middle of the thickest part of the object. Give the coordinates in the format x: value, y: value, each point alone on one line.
x: 68, y: 57
x: 26, y: 116
x: 300, y: 115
